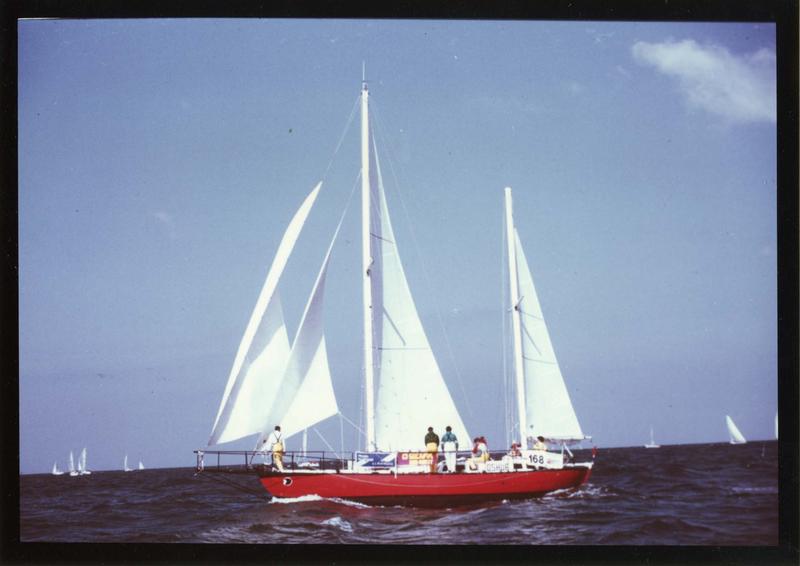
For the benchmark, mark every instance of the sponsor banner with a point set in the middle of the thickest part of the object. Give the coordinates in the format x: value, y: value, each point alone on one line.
x: 414, y: 459
x: 375, y: 460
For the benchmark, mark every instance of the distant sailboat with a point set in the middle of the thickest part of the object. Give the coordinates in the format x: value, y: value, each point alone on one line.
x: 776, y: 426
x: 56, y: 471
x: 125, y: 467
x: 82, y: 464
x: 735, y: 436
x: 72, y: 470
x: 652, y: 443
x: 141, y: 466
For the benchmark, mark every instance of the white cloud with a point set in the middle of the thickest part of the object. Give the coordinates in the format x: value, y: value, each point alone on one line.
x: 739, y: 88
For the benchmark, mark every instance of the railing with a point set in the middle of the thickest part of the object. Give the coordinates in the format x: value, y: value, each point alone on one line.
x: 249, y: 460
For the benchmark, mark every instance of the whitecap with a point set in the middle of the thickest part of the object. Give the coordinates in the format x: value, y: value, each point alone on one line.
x: 339, y: 523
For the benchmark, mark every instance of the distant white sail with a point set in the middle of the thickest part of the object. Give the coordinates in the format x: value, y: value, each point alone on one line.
x: 82, y: 470
x: 141, y: 466
x: 549, y: 409
x: 72, y: 470
x: 125, y: 467
x: 56, y: 471
x: 776, y: 426
x: 735, y: 436
x: 263, y: 353
x: 411, y: 392
x: 652, y: 443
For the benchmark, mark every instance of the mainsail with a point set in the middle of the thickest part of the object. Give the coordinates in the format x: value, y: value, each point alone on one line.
x: 547, y: 405
x: 411, y: 392
x: 736, y: 437
x: 263, y: 353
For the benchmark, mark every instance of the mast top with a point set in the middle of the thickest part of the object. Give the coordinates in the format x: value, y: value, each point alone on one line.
x: 363, y: 75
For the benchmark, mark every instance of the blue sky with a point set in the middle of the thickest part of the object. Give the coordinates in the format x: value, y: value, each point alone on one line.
x: 160, y: 161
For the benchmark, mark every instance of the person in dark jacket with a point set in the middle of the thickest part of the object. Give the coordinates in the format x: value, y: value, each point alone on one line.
x: 432, y: 446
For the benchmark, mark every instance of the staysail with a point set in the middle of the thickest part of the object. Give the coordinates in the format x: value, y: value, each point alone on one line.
x: 411, y: 392
x: 548, y: 408
x: 263, y: 353
x: 736, y: 437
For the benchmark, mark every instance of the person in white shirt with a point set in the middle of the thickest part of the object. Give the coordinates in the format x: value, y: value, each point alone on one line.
x: 275, y: 443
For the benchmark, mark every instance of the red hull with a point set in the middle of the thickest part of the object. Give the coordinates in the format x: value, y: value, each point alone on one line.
x: 424, y: 489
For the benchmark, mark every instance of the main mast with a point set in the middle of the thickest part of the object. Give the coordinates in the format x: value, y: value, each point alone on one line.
x: 366, y: 258
x: 515, y: 319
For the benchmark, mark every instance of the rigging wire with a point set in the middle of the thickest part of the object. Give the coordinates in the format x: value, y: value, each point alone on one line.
x: 341, y: 138
x: 379, y: 123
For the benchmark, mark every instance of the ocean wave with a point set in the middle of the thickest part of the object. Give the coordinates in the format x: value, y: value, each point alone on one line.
x: 747, y: 490
x: 339, y: 523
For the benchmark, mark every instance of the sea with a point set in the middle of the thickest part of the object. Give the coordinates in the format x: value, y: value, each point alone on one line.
x: 693, y: 495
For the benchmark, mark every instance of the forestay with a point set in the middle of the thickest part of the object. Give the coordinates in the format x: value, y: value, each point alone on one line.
x: 263, y: 353
x: 411, y: 392
x: 549, y: 411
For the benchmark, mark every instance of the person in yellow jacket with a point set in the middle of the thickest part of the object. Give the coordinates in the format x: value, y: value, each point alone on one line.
x: 432, y: 446
x: 275, y: 442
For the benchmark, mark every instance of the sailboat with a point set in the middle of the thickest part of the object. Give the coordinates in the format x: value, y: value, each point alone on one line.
x: 82, y: 464
x: 72, y: 470
x: 776, y: 426
x: 141, y: 466
x: 125, y: 467
x: 274, y: 381
x: 56, y: 471
x: 652, y: 443
x: 733, y: 432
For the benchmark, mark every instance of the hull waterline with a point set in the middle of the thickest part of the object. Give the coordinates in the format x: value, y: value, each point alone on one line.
x: 423, y: 489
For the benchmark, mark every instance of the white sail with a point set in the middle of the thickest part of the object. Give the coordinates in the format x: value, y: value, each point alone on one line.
x: 735, y: 436
x: 549, y: 411
x: 125, y: 467
x: 56, y: 471
x: 72, y: 470
x: 305, y: 396
x: 411, y: 392
x: 82, y: 470
x: 776, y: 426
x: 263, y: 353
x: 652, y: 443
x: 141, y: 466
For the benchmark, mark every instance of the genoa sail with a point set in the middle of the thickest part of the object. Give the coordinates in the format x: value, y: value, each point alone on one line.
x: 263, y: 353
x: 411, y: 392
x: 735, y: 435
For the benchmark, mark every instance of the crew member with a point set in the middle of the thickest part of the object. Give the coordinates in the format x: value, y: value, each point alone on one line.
x: 432, y: 446
x: 275, y: 442
x: 450, y: 447
x: 540, y: 443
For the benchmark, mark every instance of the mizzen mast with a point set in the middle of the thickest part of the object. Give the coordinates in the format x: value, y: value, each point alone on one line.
x: 515, y: 318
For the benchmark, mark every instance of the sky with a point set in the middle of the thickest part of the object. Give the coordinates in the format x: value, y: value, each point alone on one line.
x: 161, y: 160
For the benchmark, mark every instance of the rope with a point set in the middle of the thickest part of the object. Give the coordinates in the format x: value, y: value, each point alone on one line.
x: 341, y: 138
x: 228, y: 482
